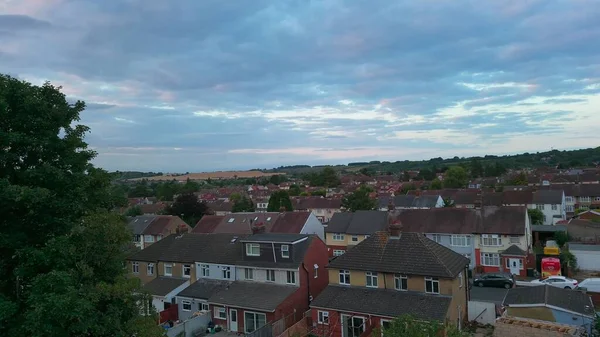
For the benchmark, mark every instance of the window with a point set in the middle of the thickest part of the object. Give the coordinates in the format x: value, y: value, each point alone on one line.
x: 338, y: 252
x: 385, y: 324
x: 205, y: 270
x: 168, y: 269
x: 253, y: 321
x: 231, y: 220
x: 323, y: 317
x: 367, y: 236
x: 584, y: 199
x: 544, y: 218
x: 252, y: 249
x: 187, y: 270
x: 554, y: 207
x: 437, y: 238
x: 338, y: 237
x: 597, y: 198
x: 220, y: 313
x: 249, y: 274
x: 372, y: 279
x: 432, y: 285
x: 270, y: 275
x: 226, y: 272
x: 345, y: 277
x: 355, y: 325
x: 569, y: 199
x: 186, y: 305
x: 540, y: 207
x: 148, y: 238
x: 491, y: 240
x: 401, y: 282
x: 508, y: 263
x: 354, y: 238
x: 570, y: 208
x: 203, y: 306
x: 136, y: 238
x: 135, y: 267
x: 150, y: 269
x: 515, y: 239
x: 291, y: 277
x: 490, y: 259
x: 460, y: 240
x: 460, y: 280
x: 316, y: 271
x: 269, y: 219
x: 158, y: 237
x: 285, y: 251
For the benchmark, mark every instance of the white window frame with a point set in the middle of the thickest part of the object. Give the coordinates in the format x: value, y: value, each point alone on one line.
x: 205, y: 270
x: 584, y: 199
x: 383, y: 320
x: 256, y: 314
x: 150, y: 269
x: 460, y: 280
x: 170, y: 267
x: 226, y: 273
x: 344, y: 275
x: 437, y: 238
x: 148, y: 238
x: 285, y: 251
x: 488, y: 259
x: 248, y: 273
x: 554, y: 207
x: 187, y: 267
x: 323, y: 317
x: 569, y: 199
x: 570, y: 208
x: 459, y: 240
x: 203, y: 306
x: 508, y: 262
x: 338, y: 237
x: 270, y: 275
x: 135, y: 267
x: 338, y: 252
x: 219, y: 311
x: 514, y: 239
x: 354, y: 238
x: 433, y: 281
x: 291, y: 277
x: 489, y: 240
x: 184, y: 303
x: 253, y: 249
x: 398, y: 280
x: 372, y: 279
x: 540, y: 207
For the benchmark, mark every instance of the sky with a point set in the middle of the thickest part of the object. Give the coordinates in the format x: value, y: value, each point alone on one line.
x: 190, y: 85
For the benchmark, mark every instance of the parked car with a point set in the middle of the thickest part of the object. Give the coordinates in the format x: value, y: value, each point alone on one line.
x: 590, y: 284
x: 495, y: 280
x: 556, y: 281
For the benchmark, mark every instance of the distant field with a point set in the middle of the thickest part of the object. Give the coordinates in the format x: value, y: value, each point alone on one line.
x: 212, y: 175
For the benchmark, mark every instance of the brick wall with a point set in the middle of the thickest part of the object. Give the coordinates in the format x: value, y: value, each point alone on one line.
x: 509, y: 326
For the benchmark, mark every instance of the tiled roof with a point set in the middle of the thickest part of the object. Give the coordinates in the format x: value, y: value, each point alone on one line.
x: 467, y: 198
x: 571, y: 300
x: 290, y: 222
x: 411, y: 254
x: 161, y: 285
x: 508, y: 220
x: 384, y: 302
x: 492, y: 199
x: 274, y: 237
x: 439, y: 220
x: 514, y: 251
x: 138, y: 224
x: 359, y: 222
x: 295, y: 260
x: 240, y: 223
x: 306, y: 203
x: 264, y: 297
x: 204, y: 288
x: 517, y: 197
x: 159, y: 225
x: 551, y: 197
x: 208, y: 223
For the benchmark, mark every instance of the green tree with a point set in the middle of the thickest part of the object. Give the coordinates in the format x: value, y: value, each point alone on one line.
x: 456, y: 177
x: 318, y: 193
x: 276, y: 179
x: 134, y: 211
x: 278, y: 200
x: 235, y: 196
x: 167, y: 190
x: 407, y: 325
x: 141, y: 189
x: 366, y: 171
x: 243, y: 204
x: 448, y: 203
x: 190, y: 186
x: 294, y: 190
x: 359, y: 200
x: 536, y: 216
x: 304, y: 194
x: 61, y: 251
x: 188, y: 208
x: 436, y: 184
x: 406, y: 188
x: 476, y: 168
x: 561, y: 238
x: 330, y: 177
x: 518, y: 180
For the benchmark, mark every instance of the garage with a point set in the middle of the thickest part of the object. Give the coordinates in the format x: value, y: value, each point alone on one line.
x: 588, y: 256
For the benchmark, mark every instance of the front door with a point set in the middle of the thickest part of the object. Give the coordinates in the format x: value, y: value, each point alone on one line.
x: 514, y: 266
x: 233, y: 320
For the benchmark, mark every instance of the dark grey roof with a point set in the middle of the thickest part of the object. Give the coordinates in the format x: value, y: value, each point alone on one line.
x: 579, y: 246
x: 552, y: 197
x: 274, y: 237
x: 253, y: 295
x: 514, y: 250
x: 161, y: 285
x: 404, y: 200
x: 359, y: 222
x: 567, y: 299
x: 138, y: 224
x: 548, y: 229
x: 409, y: 201
x: 204, y: 288
x: 384, y: 302
x: 411, y: 254
x: 297, y: 257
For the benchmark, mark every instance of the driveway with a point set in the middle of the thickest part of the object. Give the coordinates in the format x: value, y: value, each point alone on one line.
x: 485, y: 294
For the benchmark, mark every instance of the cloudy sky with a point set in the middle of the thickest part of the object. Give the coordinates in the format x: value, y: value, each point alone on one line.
x: 196, y: 85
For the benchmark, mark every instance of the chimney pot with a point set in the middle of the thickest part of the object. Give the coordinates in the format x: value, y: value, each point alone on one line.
x: 258, y: 228
x: 395, y: 229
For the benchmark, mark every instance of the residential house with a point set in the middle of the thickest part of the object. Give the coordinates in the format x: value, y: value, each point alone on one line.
x: 503, y: 240
x: 589, y: 215
x: 551, y: 304
x: 219, y: 207
x: 148, y: 229
x: 322, y: 208
x: 348, y: 229
x: 467, y: 199
x: 410, y: 202
x: 389, y: 275
x: 261, y: 204
x: 552, y: 203
x: 194, y: 298
x: 578, y: 196
x: 302, y: 222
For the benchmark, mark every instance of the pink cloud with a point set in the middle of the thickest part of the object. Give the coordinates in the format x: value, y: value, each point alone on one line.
x: 167, y: 96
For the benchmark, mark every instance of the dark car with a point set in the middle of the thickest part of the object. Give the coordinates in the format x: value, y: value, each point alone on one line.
x: 499, y: 280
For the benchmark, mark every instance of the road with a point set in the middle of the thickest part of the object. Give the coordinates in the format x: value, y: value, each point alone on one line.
x: 486, y: 294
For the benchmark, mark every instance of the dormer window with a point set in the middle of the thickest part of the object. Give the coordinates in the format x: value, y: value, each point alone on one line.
x: 252, y: 249
x: 269, y: 219
x: 285, y: 251
x: 231, y: 220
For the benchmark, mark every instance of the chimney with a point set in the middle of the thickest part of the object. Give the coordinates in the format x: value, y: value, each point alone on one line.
x: 391, y: 206
x: 395, y: 229
x: 258, y: 228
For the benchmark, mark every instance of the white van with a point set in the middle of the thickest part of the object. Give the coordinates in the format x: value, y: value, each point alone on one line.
x: 591, y: 284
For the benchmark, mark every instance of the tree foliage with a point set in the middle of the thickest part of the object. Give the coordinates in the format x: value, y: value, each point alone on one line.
x: 436, y: 184
x: 134, y: 211
x: 294, y: 190
x: 328, y: 177
x: 359, y: 200
x: 278, y: 200
x: 242, y: 204
x: 61, y: 252
x: 188, y: 208
x: 456, y: 177
x: 536, y: 216
x: 407, y: 325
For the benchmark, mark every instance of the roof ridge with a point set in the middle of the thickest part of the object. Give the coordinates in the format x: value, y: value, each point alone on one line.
x: 422, y: 238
